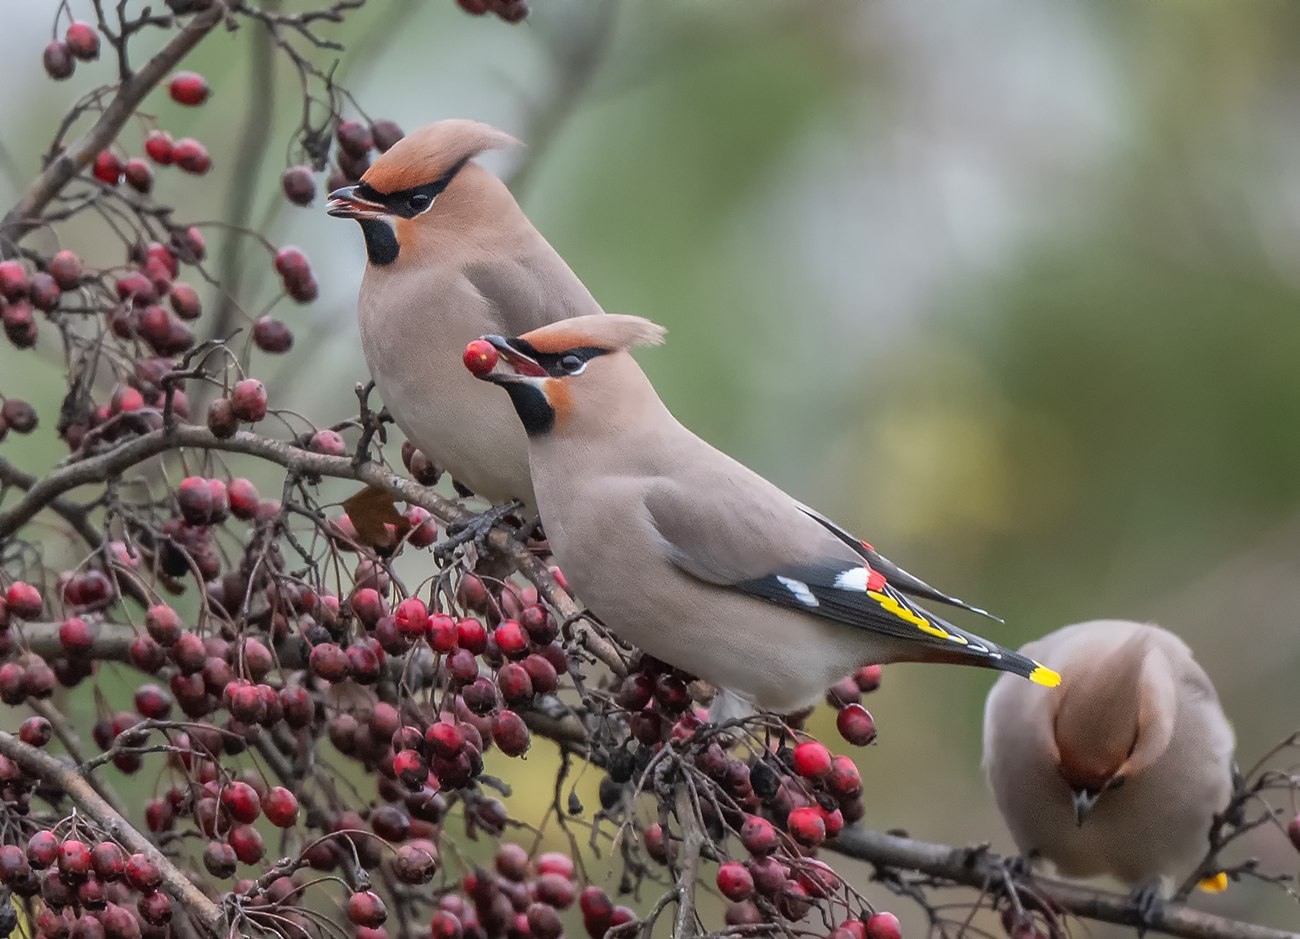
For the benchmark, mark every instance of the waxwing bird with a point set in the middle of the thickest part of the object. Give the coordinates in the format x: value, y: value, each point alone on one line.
x: 451, y: 257
x: 691, y: 556
x: 1121, y: 769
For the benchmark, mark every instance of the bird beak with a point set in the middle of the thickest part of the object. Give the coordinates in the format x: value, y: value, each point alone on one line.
x: 345, y: 203
x: 1084, y: 800
x: 513, y: 364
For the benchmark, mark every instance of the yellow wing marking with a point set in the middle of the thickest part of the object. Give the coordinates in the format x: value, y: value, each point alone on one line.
x: 893, y: 606
x: 1215, y: 884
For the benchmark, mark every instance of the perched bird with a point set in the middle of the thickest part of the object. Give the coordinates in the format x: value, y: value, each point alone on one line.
x: 451, y: 257
x: 691, y: 556
x: 1121, y: 769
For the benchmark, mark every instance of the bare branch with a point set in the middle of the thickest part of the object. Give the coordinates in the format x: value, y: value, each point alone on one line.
x: 980, y: 868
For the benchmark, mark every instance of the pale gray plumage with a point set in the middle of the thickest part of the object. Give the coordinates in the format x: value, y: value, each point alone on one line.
x: 467, y: 264
x: 1134, y: 737
x: 691, y: 556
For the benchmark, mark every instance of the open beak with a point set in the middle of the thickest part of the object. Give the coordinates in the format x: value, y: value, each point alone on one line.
x: 345, y: 203
x: 512, y: 363
x: 1084, y: 800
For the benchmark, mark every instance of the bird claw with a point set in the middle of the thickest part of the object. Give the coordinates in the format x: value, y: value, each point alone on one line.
x: 1148, y: 905
x: 476, y: 529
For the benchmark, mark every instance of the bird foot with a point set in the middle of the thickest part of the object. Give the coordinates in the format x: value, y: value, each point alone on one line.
x: 1148, y: 906
x: 475, y: 529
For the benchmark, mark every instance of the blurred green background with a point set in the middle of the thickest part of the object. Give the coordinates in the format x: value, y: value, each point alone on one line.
x: 1011, y: 289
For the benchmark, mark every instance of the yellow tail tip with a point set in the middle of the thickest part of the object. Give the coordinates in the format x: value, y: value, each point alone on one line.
x: 1042, y: 675
x: 1215, y: 884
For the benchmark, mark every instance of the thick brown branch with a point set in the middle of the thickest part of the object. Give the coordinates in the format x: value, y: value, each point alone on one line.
x: 980, y: 869
x: 25, y: 215
x: 201, y: 909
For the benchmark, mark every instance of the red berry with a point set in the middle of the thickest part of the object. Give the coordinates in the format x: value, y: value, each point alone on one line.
x: 107, y: 167
x: 411, y: 769
x: 856, y: 725
x: 510, y: 733
x: 142, y: 874
x: 23, y: 600
x: 806, y: 826
x: 1293, y: 832
x: 271, y: 335
x: 327, y: 442
x: 35, y: 732
x: 385, y: 134
x: 138, y: 175
x: 74, y: 860
x: 13, y: 280
x: 77, y: 636
x: 58, y: 60
x: 109, y: 860
x: 83, y: 41
x: 511, y: 639
x: 368, y: 606
x: 883, y: 926
x: 185, y: 301
x: 735, y: 882
x: 241, y: 801
x: 158, y: 145
x: 867, y: 678
x: 280, y: 807
x: 329, y: 662
x: 66, y: 269
x: 480, y: 357
x: 416, y: 863
x: 444, y: 739
x: 844, y: 781
x: 471, y: 635
x: 153, y: 702
x: 188, y: 88
x: 42, y: 849
x: 248, y: 399
x: 365, y: 908
x: 354, y: 138
x: 219, y: 859
x: 247, y: 842
x: 243, y: 499
x: 191, y: 156
x: 412, y: 617
x: 758, y: 835
x: 188, y: 243
x: 163, y: 624
x: 194, y: 497
x: 299, y: 185
x: 811, y: 760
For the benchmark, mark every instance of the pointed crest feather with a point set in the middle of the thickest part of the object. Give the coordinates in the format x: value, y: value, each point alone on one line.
x: 603, y: 330
x: 423, y: 156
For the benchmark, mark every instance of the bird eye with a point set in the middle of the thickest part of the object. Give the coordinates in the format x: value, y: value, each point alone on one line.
x: 418, y: 202
x: 571, y: 364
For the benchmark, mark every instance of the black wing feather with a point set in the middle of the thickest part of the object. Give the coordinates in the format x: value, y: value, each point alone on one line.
x: 908, y: 583
x: 813, y: 590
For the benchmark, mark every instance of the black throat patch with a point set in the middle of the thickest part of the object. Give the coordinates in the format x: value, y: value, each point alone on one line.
x: 381, y: 243
x: 537, y: 416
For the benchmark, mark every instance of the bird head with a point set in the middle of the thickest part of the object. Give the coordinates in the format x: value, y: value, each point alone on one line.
x: 1113, y: 720
x: 395, y: 200
x: 567, y: 369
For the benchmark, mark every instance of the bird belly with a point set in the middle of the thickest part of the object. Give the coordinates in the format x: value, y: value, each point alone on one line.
x: 467, y: 427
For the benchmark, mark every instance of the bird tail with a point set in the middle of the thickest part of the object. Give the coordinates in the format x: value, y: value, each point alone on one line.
x: 976, y: 650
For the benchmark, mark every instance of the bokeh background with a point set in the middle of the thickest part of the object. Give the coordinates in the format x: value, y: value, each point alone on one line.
x: 1010, y: 288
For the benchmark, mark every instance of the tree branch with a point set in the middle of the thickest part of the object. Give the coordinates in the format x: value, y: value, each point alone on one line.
x: 41, y: 764
x: 979, y: 869
x: 25, y: 215
x: 114, y: 462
